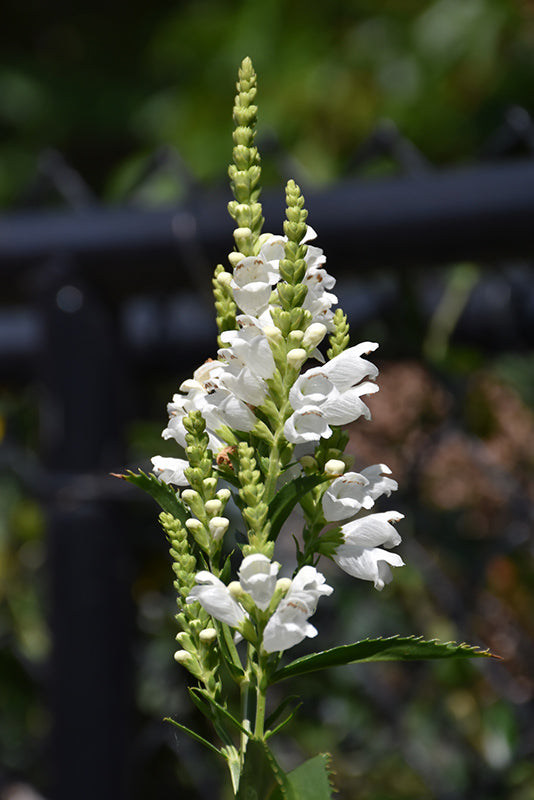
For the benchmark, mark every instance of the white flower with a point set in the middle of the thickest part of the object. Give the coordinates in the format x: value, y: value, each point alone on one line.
x: 251, y: 283
x: 308, y: 424
x: 257, y: 576
x: 170, y: 470
x: 248, y: 361
x: 216, y: 599
x: 353, y: 491
x: 312, y: 583
x: 217, y: 404
x: 334, y: 390
x: 289, y: 624
x: 360, y: 554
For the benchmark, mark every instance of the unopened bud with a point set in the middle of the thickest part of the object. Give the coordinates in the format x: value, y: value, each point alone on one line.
x: 224, y: 495
x: 313, y: 335
x: 283, y: 584
x: 224, y: 278
x: 234, y: 258
x: 183, y: 657
x: 209, y: 483
x: 182, y: 637
x: 189, y: 496
x: 308, y: 462
x: 273, y: 333
x: 218, y: 527
x: 295, y: 337
x: 194, y: 525
x: 242, y: 234
x: 334, y: 468
x: 296, y: 357
x: 235, y: 589
x: 208, y: 635
x: 213, y: 506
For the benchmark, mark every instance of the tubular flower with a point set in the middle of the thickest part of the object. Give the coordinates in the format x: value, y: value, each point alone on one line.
x: 353, y: 491
x: 257, y: 576
x: 289, y: 624
x: 170, y: 470
x: 215, y: 598
x: 218, y: 405
x: 334, y: 390
x: 247, y: 362
x: 361, y: 556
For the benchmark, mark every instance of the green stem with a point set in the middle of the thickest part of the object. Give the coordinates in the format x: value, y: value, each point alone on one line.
x: 261, y: 697
x: 245, y: 706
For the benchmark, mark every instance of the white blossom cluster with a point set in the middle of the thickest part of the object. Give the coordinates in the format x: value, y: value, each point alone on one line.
x: 227, y: 390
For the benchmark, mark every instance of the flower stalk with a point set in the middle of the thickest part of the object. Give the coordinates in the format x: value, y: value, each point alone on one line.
x: 261, y: 428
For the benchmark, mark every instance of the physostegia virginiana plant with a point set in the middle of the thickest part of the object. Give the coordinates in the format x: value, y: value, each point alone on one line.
x: 260, y: 426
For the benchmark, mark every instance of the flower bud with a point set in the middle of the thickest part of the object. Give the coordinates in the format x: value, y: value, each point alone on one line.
x: 295, y: 337
x: 209, y: 483
x: 224, y: 278
x: 194, y: 525
x: 208, y: 635
x: 235, y: 589
x: 234, y: 258
x: 182, y: 637
x: 273, y: 334
x: 308, y: 462
x: 283, y: 584
x: 189, y: 496
x: 313, y: 335
x: 242, y: 235
x: 224, y: 495
x: 334, y: 467
x: 296, y: 357
x: 218, y: 527
x: 213, y: 506
x: 183, y: 657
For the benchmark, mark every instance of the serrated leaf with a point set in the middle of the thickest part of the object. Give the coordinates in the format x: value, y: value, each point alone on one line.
x: 262, y: 777
x: 393, y: 648
x: 311, y: 780
x: 163, y: 494
x: 285, y: 500
x: 193, y: 735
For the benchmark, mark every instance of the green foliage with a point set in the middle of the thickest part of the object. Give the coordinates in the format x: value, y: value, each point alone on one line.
x: 289, y: 495
x: 162, y: 492
x: 394, y: 648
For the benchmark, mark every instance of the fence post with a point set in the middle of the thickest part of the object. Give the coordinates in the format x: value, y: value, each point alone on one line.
x: 81, y: 439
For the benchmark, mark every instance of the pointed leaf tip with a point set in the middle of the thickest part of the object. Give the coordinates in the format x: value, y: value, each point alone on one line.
x: 393, y: 648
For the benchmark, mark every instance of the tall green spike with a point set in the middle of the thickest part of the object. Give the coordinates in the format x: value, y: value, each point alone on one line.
x: 245, y: 172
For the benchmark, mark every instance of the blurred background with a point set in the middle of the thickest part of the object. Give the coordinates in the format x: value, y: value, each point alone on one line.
x: 408, y: 125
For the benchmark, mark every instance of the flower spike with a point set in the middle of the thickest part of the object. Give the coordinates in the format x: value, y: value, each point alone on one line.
x: 245, y: 172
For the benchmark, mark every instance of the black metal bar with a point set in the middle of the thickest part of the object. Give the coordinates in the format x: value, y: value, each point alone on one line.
x: 479, y: 213
x: 80, y: 424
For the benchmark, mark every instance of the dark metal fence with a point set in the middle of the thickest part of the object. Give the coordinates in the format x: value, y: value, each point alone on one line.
x: 83, y: 288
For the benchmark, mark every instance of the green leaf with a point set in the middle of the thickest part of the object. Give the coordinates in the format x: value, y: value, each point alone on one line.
x: 284, y: 722
x: 193, y: 735
x: 393, y: 648
x: 162, y: 493
x: 209, y: 711
x: 223, y: 712
x: 262, y: 777
x: 311, y: 780
x: 284, y: 501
